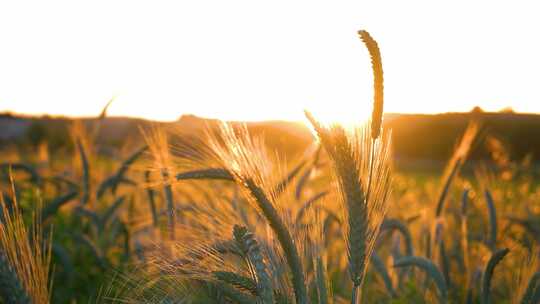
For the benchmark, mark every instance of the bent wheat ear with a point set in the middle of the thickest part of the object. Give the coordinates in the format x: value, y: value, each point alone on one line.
x: 115, y: 180
x: 495, y: 259
x: 303, y: 180
x: 532, y: 293
x: 28, y: 169
x: 212, y: 173
x: 376, y: 65
x: 492, y: 213
x: 282, y: 185
x: 396, y: 224
x: 432, y: 271
x: 308, y: 204
x: 56, y: 204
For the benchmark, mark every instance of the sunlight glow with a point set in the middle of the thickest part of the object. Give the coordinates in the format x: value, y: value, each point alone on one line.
x: 354, y: 115
x: 244, y: 60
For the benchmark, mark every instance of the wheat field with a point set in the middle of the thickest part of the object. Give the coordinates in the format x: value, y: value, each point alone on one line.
x: 222, y: 218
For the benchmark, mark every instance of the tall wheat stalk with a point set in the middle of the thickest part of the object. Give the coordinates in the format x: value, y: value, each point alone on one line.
x: 363, y: 182
x: 158, y: 143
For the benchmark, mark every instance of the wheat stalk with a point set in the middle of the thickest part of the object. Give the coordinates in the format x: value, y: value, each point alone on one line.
x: 380, y: 267
x: 246, y: 160
x: 86, y: 173
x: 347, y: 151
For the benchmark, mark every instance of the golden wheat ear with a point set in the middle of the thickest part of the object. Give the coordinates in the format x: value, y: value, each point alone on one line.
x: 376, y: 65
x: 354, y: 171
x: 362, y: 169
x: 24, y: 258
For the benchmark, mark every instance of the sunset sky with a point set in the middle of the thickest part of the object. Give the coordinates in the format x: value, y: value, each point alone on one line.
x: 255, y: 60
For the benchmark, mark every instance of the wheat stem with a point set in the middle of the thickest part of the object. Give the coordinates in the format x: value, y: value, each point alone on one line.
x: 285, y: 240
x: 151, y: 199
x: 86, y: 173
x: 170, y: 203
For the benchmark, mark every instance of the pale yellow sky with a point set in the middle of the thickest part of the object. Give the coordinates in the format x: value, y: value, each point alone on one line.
x: 255, y: 60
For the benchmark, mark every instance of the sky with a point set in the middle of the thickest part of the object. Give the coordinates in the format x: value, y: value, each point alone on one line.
x: 259, y: 60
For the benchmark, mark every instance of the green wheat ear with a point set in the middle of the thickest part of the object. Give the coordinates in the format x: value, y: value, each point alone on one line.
x: 495, y: 259
x: 392, y: 224
x: 430, y: 269
x: 492, y: 213
x: 532, y: 293
x: 249, y: 245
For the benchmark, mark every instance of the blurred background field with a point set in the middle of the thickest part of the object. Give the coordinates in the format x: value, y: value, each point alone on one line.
x: 419, y: 140
x: 100, y: 191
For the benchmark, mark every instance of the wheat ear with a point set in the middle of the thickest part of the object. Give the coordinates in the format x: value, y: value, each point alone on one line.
x: 265, y: 290
x: 532, y: 293
x: 494, y: 260
x: 378, y: 89
x: 492, y: 215
x: 395, y: 224
x: 431, y: 269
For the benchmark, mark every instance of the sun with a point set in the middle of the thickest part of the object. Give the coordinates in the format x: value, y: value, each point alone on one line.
x: 345, y: 114
x: 350, y: 116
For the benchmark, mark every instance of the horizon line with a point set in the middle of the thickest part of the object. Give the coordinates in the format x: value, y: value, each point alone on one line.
x: 8, y: 113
